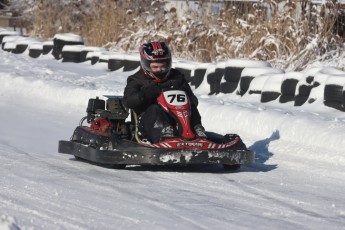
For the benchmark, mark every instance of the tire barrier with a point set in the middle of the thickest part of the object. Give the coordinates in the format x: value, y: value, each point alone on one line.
x: 186, y: 68
x: 5, y: 33
x: 246, y: 78
x: 214, y: 78
x: 86, y: 49
x: 11, y: 42
x: 312, y: 79
x: 71, y: 53
x: 131, y: 62
x: 256, y: 86
x: 272, y: 87
x: 104, y: 57
x: 288, y: 86
x: 21, y: 44
x: 249, y: 73
x: 116, y: 62
x: 303, y: 89
x: 334, y: 92
x: 47, y: 47
x: 233, y: 71
x: 35, y: 49
x: 199, y: 74
x: 20, y: 48
x: 60, y: 40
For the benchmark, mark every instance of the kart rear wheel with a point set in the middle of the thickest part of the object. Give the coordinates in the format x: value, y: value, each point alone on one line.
x: 78, y: 158
x: 231, y: 167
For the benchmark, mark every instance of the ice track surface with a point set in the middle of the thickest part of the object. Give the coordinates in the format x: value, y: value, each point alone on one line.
x: 293, y: 184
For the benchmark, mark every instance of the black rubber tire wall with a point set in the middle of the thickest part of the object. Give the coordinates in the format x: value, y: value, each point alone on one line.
x: 59, y: 44
x: 129, y: 65
x: 288, y: 89
x: 333, y: 96
x: 68, y: 56
x: 333, y: 93
x: 20, y: 48
x: 186, y: 73
x: 34, y: 53
x: 115, y: 64
x: 267, y: 96
x: 228, y: 87
x: 303, y: 95
x: 233, y: 74
x: 244, y: 84
x: 198, y: 77
x: 47, y: 49
x: 214, y: 79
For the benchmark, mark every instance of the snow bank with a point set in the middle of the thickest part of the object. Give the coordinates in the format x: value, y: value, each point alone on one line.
x: 8, y: 223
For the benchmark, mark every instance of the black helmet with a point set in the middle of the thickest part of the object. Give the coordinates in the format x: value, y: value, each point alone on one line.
x: 155, y: 52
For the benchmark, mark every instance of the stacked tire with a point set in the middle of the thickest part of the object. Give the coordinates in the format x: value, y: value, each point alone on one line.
x: 60, y: 40
x: 288, y: 86
x: 334, y: 92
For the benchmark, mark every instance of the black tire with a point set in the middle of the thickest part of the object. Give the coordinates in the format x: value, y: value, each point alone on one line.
x: 288, y: 87
x: 186, y: 73
x: 335, y: 105
x: 35, y: 53
x: 254, y: 91
x: 94, y: 60
x: 214, y: 80
x: 333, y: 93
x: 233, y: 74
x: 78, y: 158
x: 228, y: 87
x: 300, y: 100
x: 83, y: 55
x: 304, y: 90
x: 129, y: 65
x: 303, y: 94
x: 231, y: 167
x: 269, y: 96
x: 115, y: 64
x: 244, y: 84
x: 198, y: 78
x: 20, y: 48
x: 286, y: 98
x: 68, y: 56
x: 58, y: 46
x: 47, y: 49
x: 119, y: 166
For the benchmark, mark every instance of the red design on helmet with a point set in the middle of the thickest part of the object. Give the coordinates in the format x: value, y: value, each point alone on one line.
x: 155, y: 52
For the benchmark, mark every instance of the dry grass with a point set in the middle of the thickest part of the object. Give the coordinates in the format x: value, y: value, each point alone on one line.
x: 240, y: 30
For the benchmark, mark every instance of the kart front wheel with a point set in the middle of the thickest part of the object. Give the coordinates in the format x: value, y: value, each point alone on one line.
x: 231, y: 167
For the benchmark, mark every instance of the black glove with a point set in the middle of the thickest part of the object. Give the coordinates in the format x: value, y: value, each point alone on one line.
x: 151, y: 92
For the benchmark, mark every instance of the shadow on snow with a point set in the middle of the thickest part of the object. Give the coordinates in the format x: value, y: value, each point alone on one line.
x: 262, y: 154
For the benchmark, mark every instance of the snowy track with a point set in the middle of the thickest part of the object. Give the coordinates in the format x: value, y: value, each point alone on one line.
x: 292, y: 185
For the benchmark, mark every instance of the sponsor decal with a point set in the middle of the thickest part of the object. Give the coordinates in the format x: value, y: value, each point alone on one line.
x: 189, y: 144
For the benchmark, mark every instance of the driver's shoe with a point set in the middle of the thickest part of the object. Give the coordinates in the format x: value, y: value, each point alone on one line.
x: 167, y: 132
x: 200, y: 131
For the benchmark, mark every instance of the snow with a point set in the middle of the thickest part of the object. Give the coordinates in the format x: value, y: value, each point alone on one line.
x: 36, y: 46
x: 246, y: 63
x: 69, y: 37
x: 296, y: 182
x: 72, y: 48
x: 273, y: 83
x: 93, y: 48
x: 256, y: 71
x: 9, y: 32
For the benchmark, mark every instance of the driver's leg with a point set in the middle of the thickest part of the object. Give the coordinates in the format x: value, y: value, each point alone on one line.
x: 156, y: 124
